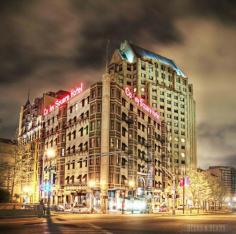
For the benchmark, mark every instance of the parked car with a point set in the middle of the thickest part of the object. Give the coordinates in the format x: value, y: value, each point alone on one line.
x: 180, y: 207
x: 60, y: 208
x: 80, y: 209
x: 161, y: 208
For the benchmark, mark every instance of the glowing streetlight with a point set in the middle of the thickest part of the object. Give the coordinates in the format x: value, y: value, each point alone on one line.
x: 50, y: 153
x: 131, y: 184
x: 91, y: 183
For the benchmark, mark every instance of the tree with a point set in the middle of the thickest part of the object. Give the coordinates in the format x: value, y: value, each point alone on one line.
x: 218, y: 191
x: 204, y: 188
x: 4, y: 195
x: 199, y: 188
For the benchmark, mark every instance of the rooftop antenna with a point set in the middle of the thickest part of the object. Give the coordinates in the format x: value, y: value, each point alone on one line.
x: 28, y: 97
x: 107, y: 54
x: 28, y: 94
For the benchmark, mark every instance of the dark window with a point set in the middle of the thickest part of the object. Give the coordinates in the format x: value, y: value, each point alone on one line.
x: 131, y: 107
x: 73, y: 165
x: 123, y: 131
x: 74, y: 134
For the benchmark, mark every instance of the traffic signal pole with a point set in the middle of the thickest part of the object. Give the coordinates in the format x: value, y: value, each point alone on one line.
x: 183, y: 193
x: 174, y: 194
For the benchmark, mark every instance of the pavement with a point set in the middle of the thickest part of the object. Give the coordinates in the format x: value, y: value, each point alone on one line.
x: 117, y: 224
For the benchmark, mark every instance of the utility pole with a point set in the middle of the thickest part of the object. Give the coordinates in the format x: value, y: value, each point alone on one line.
x: 49, y: 189
x: 174, y: 187
x: 174, y: 194
x: 183, y: 193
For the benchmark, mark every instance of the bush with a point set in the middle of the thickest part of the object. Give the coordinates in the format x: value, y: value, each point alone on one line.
x: 4, y: 195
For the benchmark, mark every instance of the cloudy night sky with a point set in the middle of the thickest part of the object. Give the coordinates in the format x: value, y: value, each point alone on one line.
x: 50, y: 45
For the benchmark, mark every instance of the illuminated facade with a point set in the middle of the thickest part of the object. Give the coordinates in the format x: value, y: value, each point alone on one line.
x: 29, y: 139
x: 164, y: 87
x: 115, y: 140
x: 106, y: 142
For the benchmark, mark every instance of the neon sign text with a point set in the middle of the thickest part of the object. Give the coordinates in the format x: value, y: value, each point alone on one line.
x: 140, y: 102
x: 59, y: 102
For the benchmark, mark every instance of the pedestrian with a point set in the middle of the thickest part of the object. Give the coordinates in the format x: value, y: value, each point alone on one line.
x: 42, y: 207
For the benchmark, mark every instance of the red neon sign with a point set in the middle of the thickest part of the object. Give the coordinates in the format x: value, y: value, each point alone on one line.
x: 141, y: 103
x: 74, y: 92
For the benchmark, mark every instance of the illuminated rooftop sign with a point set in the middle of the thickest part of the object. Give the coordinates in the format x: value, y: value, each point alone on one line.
x: 59, y: 102
x: 140, y: 102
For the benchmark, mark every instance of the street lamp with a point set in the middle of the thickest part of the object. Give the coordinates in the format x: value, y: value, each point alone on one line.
x: 174, y: 195
x: 131, y: 185
x: 173, y: 176
x: 50, y: 154
x: 184, y: 184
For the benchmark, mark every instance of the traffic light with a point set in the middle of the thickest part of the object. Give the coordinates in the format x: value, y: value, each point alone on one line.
x: 46, y: 187
x: 181, y: 182
x: 184, y: 181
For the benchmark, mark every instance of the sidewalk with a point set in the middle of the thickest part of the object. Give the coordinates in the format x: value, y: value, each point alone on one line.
x: 201, y: 212
x: 24, y: 214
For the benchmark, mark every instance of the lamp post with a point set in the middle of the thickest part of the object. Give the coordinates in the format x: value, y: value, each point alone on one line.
x: 50, y: 154
x: 184, y: 184
x: 123, y: 202
x: 172, y: 175
x: 174, y: 195
x: 131, y: 185
x: 183, y: 193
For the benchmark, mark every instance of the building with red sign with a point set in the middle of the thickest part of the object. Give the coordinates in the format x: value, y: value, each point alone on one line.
x: 114, y: 141
x: 164, y: 87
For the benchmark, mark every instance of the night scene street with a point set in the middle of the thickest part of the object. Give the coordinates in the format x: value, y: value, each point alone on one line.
x: 116, y: 224
x: 117, y: 116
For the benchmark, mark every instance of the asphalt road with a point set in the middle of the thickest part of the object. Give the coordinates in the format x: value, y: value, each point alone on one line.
x: 107, y: 224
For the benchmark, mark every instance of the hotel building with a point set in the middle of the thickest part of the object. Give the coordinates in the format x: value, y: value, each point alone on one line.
x: 164, y: 87
x: 112, y: 141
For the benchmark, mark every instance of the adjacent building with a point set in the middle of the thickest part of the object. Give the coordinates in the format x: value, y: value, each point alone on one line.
x: 227, y: 176
x: 115, y: 140
x: 8, y: 150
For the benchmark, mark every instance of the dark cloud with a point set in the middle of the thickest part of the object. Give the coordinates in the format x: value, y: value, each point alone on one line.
x: 217, y: 144
x: 35, y: 30
x: 53, y: 44
x: 220, y: 10
x: 120, y: 20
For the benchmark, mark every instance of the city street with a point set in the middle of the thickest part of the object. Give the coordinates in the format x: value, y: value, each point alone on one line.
x: 74, y: 223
